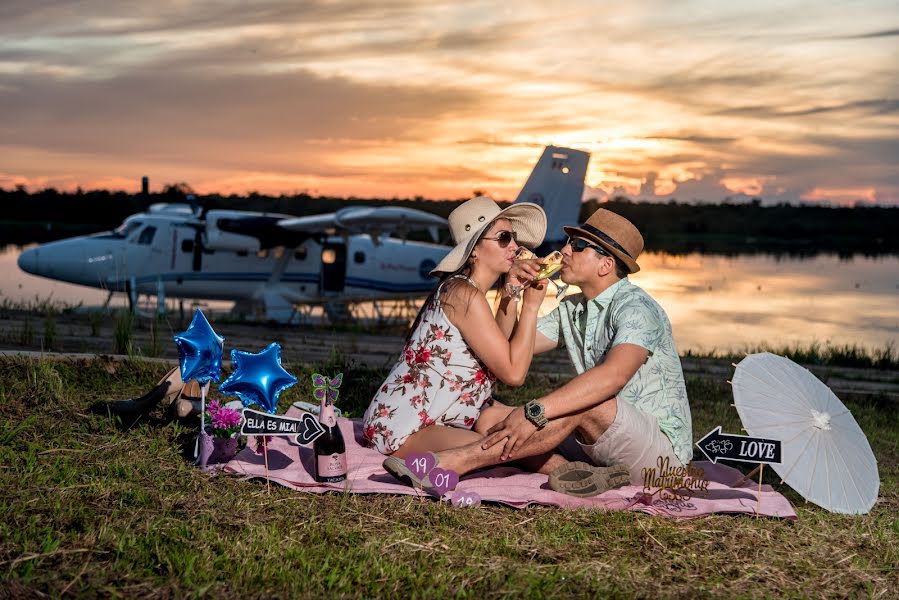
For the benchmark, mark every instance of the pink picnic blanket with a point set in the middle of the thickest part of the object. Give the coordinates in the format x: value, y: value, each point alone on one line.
x: 290, y: 465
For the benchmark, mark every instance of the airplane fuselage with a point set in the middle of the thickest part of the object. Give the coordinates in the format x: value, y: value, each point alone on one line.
x: 149, y: 251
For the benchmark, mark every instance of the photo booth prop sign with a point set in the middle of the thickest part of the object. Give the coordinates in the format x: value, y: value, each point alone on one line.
x: 743, y: 448
x: 306, y: 429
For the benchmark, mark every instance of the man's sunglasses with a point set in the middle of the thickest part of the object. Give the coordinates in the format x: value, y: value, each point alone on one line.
x: 504, y: 238
x: 580, y: 244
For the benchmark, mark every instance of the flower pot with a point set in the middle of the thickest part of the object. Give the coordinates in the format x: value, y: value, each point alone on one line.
x: 216, y: 450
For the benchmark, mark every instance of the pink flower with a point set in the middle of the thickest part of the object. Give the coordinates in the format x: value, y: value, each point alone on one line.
x: 480, y: 376
x: 424, y: 418
x: 469, y: 422
x: 384, y: 412
x: 438, y: 334
x: 408, y: 355
x: 423, y: 355
x: 369, y: 433
x: 384, y: 389
x: 407, y: 378
x: 465, y: 398
x: 415, y: 400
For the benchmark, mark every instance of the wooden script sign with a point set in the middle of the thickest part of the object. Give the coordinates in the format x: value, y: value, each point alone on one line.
x: 716, y: 445
x: 306, y: 429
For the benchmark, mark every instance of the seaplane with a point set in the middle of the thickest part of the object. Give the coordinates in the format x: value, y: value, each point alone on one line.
x: 276, y: 267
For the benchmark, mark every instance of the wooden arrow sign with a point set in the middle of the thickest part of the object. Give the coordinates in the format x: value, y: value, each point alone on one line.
x: 716, y: 445
x: 306, y: 429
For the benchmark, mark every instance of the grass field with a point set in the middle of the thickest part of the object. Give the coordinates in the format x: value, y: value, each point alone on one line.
x: 90, y: 510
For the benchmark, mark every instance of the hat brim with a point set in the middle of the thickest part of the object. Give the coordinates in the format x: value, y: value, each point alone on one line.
x: 629, y: 262
x: 528, y: 222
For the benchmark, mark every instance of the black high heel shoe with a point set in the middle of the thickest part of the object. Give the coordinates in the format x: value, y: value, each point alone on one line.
x: 130, y: 411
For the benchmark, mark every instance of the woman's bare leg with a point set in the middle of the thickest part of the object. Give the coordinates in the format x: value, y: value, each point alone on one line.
x: 436, y: 438
x: 542, y: 463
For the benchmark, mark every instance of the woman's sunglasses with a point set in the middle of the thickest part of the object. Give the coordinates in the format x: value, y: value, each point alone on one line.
x: 504, y: 238
x: 580, y: 244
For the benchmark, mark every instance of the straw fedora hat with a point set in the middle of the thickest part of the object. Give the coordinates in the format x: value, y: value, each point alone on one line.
x: 472, y: 218
x: 614, y: 233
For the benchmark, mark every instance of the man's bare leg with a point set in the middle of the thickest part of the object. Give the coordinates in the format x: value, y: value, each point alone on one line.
x: 544, y: 463
x: 590, y: 424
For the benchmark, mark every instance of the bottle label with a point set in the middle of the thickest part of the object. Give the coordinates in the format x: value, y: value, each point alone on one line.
x: 332, y: 466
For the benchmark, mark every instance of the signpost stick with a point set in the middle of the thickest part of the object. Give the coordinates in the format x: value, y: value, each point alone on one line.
x: 758, y: 504
x: 268, y: 484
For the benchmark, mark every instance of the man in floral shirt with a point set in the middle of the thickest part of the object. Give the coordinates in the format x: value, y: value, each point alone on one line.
x: 628, y: 404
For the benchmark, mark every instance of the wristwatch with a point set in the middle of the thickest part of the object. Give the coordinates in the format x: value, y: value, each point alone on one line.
x: 535, y: 413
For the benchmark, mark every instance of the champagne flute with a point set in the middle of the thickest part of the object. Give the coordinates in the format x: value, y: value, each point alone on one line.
x: 549, y: 266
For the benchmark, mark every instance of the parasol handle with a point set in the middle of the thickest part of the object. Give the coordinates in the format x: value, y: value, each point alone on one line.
x: 748, y: 475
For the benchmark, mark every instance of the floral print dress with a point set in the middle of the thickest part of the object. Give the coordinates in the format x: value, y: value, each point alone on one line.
x: 438, y: 380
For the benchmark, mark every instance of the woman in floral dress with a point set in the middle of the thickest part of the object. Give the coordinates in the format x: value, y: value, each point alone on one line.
x: 456, y: 349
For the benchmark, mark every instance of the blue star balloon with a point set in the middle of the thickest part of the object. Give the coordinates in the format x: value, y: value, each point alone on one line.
x: 258, y: 378
x: 200, y: 349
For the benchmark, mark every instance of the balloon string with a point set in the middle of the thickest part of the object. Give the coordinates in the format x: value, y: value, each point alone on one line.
x: 203, y: 389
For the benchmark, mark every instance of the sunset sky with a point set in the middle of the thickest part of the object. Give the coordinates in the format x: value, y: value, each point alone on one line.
x: 696, y: 99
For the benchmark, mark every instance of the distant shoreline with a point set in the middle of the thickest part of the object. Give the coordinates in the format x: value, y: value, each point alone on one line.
x: 672, y: 227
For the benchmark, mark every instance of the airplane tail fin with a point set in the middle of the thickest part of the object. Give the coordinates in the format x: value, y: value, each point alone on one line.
x: 557, y: 184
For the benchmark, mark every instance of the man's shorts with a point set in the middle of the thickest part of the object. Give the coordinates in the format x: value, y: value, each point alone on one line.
x: 634, y: 439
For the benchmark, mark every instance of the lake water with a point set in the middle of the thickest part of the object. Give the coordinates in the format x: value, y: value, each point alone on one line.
x: 714, y: 302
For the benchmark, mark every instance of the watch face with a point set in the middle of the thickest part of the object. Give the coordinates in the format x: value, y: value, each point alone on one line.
x: 534, y: 410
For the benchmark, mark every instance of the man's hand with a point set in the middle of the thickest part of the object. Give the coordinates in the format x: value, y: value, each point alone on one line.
x: 516, y: 428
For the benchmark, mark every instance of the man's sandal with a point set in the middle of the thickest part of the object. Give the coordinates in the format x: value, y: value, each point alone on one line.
x: 583, y: 479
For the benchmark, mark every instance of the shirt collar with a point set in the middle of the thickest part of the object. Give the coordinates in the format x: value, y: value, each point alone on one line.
x: 607, y: 294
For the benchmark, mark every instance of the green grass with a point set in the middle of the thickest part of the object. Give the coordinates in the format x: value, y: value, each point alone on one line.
x: 90, y: 510
x: 816, y: 353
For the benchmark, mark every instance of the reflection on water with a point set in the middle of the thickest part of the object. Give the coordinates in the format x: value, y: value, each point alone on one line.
x: 714, y: 302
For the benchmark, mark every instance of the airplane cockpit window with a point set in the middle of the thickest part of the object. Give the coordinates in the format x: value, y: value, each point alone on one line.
x: 146, y: 236
x: 262, y: 253
x: 127, y: 228
x: 359, y: 257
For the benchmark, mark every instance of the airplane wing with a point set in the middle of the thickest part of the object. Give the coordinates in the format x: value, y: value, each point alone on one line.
x: 367, y: 219
x: 237, y: 230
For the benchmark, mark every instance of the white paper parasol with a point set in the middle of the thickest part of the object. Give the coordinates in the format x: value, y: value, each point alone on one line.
x: 826, y: 456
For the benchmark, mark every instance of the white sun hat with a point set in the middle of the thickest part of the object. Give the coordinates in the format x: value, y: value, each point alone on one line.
x: 471, y: 219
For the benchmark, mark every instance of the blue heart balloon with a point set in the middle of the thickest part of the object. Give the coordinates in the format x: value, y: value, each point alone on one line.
x: 258, y: 378
x: 200, y: 349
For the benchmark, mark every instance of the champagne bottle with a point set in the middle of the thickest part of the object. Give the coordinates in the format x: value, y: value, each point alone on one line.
x: 330, y: 451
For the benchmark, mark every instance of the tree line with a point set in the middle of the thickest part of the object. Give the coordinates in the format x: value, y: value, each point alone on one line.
x: 672, y: 227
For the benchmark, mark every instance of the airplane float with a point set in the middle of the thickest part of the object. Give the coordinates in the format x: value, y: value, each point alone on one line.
x: 269, y: 264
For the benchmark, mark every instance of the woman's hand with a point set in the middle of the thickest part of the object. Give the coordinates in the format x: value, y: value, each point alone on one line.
x: 535, y: 293
x: 515, y: 430
x: 523, y: 271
